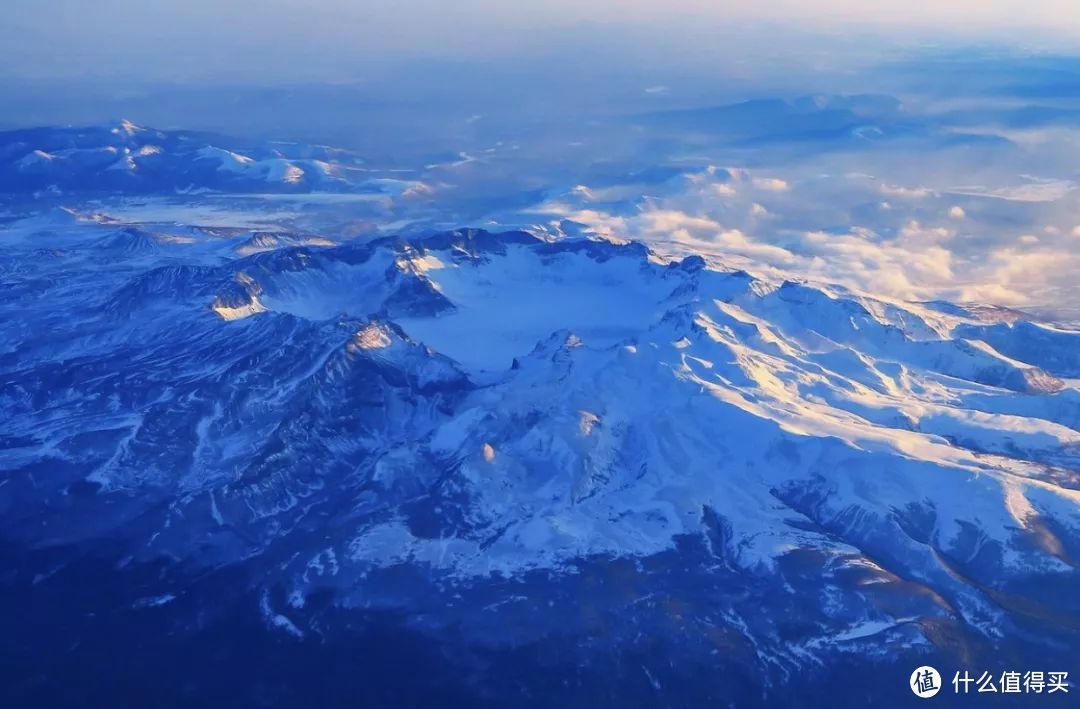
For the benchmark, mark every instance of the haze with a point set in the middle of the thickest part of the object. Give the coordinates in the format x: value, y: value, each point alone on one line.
x: 280, y: 40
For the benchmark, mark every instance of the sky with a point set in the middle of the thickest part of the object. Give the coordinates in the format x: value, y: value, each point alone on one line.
x: 267, y: 40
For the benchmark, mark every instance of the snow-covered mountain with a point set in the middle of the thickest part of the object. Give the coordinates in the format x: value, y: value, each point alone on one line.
x: 473, y: 428
x: 128, y: 159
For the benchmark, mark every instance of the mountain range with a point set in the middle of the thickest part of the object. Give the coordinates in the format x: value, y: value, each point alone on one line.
x: 567, y: 461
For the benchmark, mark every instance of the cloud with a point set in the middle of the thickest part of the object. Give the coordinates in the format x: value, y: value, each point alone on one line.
x: 1015, y: 270
x: 771, y: 184
x: 1033, y: 190
x: 914, y: 259
x: 905, y: 192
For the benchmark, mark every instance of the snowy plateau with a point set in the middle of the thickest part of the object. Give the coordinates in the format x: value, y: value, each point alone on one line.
x: 517, y: 465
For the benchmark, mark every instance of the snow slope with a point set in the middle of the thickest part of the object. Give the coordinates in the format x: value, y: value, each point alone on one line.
x: 477, y: 406
x: 129, y: 159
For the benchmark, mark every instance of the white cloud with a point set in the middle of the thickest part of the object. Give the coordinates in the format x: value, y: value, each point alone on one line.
x: 1033, y: 190
x: 913, y: 260
x: 957, y: 213
x: 905, y: 192
x: 771, y: 184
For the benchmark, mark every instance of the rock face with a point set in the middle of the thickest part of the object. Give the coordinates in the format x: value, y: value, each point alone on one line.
x: 522, y: 443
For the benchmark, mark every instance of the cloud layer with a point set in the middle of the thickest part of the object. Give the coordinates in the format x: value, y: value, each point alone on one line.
x: 903, y: 241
